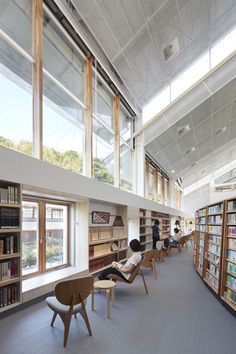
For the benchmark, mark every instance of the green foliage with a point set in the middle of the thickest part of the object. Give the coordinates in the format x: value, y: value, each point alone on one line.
x: 69, y: 160
x: 29, y: 257
x: 100, y: 171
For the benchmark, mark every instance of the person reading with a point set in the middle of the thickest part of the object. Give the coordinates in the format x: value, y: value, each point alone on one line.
x: 124, y: 270
x: 174, y: 240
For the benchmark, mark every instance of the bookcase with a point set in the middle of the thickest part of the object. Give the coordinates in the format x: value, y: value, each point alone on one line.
x: 228, y: 279
x: 145, y: 229
x: 10, y: 245
x: 147, y: 218
x: 107, y: 244
x: 214, y: 253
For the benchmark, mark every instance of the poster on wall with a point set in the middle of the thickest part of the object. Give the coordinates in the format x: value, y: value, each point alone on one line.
x: 100, y: 217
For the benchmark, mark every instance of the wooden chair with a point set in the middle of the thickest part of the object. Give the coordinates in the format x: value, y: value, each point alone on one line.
x: 159, y: 246
x: 70, y: 299
x: 181, y: 243
x: 149, y: 261
x: 137, y: 271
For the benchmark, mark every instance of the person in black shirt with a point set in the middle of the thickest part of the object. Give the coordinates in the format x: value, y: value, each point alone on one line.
x: 155, y: 234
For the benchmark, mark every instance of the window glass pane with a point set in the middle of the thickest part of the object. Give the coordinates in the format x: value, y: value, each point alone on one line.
x: 156, y: 105
x: 103, y: 153
x: 16, y: 21
x: 125, y: 127
x: 56, y: 235
x: 30, y: 258
x: 195, y: 72
x: 15, y: 100
x: 159, y: 188
x: 151, y: 180
x: 62, y: 59
x: 125, y: 168
x: 63, y: 128
x: 102, y: 102
x: 224, y: 48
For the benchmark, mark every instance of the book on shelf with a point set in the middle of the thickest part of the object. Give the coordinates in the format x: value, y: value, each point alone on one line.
x: 9, y: 195
x: 215, y: 219
x: 114, y: 246
x: 231, y: 255
x: 8, y: 270
x: 9, y: 217
x: 230, y: 296
x: 218, y: 208
x: 231, y: 218
x: 231, y: 205
x: 231, y: 230
x: 232, y: 243
x: 231, y: 281
x: 8, y: 295
x: 231, y: 267
x: 215, y: 229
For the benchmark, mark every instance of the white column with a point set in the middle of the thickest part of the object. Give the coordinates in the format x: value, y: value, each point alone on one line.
x: 139, y: 173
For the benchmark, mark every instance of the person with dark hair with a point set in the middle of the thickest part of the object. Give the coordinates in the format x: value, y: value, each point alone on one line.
x: 174, y: 240
x: 155, y: 234
x: 124, y: 270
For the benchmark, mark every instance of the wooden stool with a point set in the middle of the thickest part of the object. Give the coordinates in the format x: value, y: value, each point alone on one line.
x: 109, y: 286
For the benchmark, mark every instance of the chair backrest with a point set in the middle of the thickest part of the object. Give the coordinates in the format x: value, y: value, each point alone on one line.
x: 76, y: 289
x: 159, y: 245
x: 134, y: 273
x: 148, y: 256
x: 182, y: 240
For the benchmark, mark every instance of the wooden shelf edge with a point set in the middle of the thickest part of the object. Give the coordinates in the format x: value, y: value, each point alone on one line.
x: 8, y: 307
x: 9, y: 255
x: 9, y: 281
x: 7, y: 231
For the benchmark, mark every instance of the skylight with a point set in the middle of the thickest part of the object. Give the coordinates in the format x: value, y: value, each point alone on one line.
x: 190, y: 76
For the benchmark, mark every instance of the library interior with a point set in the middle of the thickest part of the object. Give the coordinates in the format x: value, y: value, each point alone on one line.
x: 117, y: 176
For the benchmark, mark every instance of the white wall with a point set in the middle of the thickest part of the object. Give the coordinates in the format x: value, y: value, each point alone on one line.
x: 197, y: 199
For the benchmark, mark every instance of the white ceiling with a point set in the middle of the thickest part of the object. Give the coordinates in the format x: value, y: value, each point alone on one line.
x: 134, y: 33
x: 208, y: 143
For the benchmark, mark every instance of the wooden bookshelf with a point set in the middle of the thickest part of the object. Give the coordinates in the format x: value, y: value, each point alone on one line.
x: 164, y: 223
x: 10, y: 245
x: 107, y: 244
x: 228, y: 278
x: 219, y: 264
x: 145, y: 229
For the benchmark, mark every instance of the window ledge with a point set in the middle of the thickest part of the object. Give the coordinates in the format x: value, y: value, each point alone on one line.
x: 48, y: 278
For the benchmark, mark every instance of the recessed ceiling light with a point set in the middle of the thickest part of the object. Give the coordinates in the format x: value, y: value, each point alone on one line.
x: 171, y: 50
x: 190, y: 150
x: 223, y: 130
x: 172, y: 171
x: 183, y: 129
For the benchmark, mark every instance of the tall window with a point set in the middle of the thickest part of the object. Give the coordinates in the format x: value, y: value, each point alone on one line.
x: 103, y: 133
x: 16, y: 75
x: 44, y: 236
x: 126, y: 150
x: 63, y: 103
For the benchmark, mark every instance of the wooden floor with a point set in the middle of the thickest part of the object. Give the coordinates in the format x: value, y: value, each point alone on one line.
x: 179, y: 316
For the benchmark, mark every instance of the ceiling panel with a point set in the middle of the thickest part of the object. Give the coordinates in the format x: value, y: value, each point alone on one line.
x: 203, y: 131
x: 202, y: 112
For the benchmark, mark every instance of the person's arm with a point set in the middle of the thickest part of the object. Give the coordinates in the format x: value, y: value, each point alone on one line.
x: 128, y: 269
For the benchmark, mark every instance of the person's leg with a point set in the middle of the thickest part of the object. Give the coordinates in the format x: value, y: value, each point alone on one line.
x: 109, y: 271
x: 154, y: 242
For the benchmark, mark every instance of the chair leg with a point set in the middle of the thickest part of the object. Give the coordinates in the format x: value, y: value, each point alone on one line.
x: 154, y: 268
x: 53, y: 318
x: 66, y: 319
x: 144, y: 283
x: 85, y: 317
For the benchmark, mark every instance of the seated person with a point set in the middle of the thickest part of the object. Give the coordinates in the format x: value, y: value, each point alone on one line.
x: 174, y: 240
x: 166, y: 243
x: 124, y: 270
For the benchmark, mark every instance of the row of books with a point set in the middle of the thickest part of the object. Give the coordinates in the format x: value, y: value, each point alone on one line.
x: 201, y: 212
x: 232, y: 243
x: 8, y: 244
x: 231, y: 205
x: 231, y: 281
x: 122, y: 244
x: 202, y: 221
x: 8, y: 270
x: 215, y: 239
x: 231, y: 267
x: 213, y: 258
x: 102, y: 249
x: 102, y: 235
x: 218, y: 208
x: 9, y: 194
x: 231, y: 255
x: 230, y: 296
x: 214, y: 249
x: 8, y: 295
x: 231, y: 230
x: 9, y: 217
x: 214, y: 229
x: 212, y: 280
x: 215, y: 219
x: 101, y: 262
x: 231, y: 218
x: 214, y: 270
x: 201, y: 228
x: 122, y: 255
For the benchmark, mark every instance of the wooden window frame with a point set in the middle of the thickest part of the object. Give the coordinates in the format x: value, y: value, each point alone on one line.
x: 42, y: 232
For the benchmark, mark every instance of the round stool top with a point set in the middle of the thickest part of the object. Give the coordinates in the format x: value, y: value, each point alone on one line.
x: 104, y: 284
